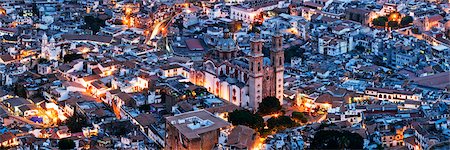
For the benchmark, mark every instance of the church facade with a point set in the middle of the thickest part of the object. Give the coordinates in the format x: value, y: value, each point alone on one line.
x: 243, y: 79
x: 49, y: 49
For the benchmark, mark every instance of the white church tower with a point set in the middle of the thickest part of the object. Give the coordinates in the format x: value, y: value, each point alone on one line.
x: 48, y: 49
x: 277, y: 59
x: 256, y: 72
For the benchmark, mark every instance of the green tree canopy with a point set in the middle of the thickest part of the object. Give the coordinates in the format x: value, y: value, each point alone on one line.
x: 392, y: 24
x: 20, y: 90
x: 294, y: 51
x: 76, y: 122
x: 406, y: 20
x: 415, y: 30
x: 333, y: 139
x: 281, y: 122
x: 93, y: 23
x: 360, y: 48
x: 299, y: 116
x: 179, y: 24
x: 71, y: 57
x: 269, y: 105
x: 245, y: 117
x: 254, y: 30
x: 380, y: 21
x: 66, y: 144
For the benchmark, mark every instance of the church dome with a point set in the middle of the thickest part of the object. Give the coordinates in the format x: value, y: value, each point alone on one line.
x: 226, y: 45
x: 52, y: 40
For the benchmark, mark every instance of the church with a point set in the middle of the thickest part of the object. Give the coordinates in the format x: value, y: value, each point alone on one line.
x: 244, y: 79
x: 49, y: 49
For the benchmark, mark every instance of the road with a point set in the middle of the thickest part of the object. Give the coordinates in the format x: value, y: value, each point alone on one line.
x: 158, y: 27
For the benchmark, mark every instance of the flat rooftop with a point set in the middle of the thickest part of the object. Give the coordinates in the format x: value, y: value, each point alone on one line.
x: 194, y: 123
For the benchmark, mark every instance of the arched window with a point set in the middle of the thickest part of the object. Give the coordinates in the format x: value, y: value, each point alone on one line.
x: 245, y: 78
x: 227, y: 70
x: 259, y: 66
x: 234, y: 95
x: 217, y: 87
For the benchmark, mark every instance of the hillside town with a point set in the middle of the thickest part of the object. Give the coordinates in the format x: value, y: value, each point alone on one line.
x: 225, y: 74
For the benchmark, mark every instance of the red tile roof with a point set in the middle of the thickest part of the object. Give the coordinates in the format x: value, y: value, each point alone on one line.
x: 6, y: 58
x: 194, y: 45
x: 241, y: 137
x: 312, y: 4
x: 10, y: 30
x: 93, y: 38
x: 391, y: 91
x: 6, y: 137
x: 440, y: 80
x: 91, y: 78
x: 435, y: 18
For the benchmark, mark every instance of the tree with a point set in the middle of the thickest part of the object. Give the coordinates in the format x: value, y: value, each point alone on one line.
x: 380, y: 21
x: 66, y: 144
x: 42, y: 61
x: 415, y: 30
x: 93, y: 24
x: 406, y: 20
x: 265, y: 132
x: 71, y: 57
x: 299, y: 116
x: 179, y: 24
x: 360, y: 48
x: 254, y: 30
x: 333, y: 139
x: 269, y: 105
x: 393, y: 24
x: 294, y: 51
x: 20, y: 90
x: 281, y: 122
x: 245, y: 117
x: 35, y: 10
x: 76, y: 123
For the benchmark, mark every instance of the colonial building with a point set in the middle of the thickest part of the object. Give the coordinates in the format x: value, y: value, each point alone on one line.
x: 243, y: 79
x: 249, y: 12
x: 395, y: 96
x: 49, y: 50
x: 193, y: 130
x: 8, y: 140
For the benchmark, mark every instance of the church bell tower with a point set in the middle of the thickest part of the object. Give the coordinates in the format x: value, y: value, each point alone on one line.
x: 256, y: 72
x: 277, y: 62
